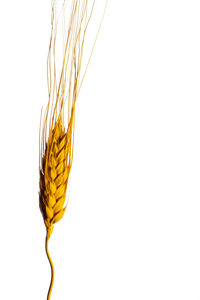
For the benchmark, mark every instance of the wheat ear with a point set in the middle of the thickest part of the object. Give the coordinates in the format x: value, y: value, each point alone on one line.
x: 56, y: 140
x: 54, y: 176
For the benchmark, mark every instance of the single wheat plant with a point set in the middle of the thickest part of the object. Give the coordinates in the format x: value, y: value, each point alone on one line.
x: 58, y: 119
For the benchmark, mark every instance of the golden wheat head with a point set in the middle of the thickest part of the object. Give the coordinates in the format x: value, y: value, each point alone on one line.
x: 56, y: 140
x: 54, y: 174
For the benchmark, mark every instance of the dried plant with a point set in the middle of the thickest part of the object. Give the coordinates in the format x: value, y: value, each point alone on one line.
x: 56, y: 139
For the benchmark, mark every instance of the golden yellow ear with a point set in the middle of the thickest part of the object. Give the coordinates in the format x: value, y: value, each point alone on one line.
x: 57, y: 138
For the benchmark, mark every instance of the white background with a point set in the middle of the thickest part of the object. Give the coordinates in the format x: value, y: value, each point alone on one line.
x: 132, y: 227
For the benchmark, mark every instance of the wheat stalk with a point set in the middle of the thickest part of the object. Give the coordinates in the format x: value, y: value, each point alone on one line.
x: 56, y: 139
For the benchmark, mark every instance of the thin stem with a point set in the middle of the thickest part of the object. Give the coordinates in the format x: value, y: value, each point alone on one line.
x: 52, y: 268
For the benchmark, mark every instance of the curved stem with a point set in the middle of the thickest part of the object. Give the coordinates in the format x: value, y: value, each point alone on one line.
x: 52, y: 268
